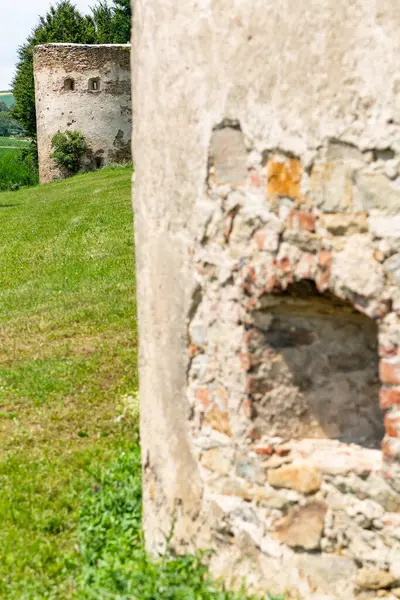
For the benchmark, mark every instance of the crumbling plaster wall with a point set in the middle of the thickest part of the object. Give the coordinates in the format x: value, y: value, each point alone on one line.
x: 103, y: 115
x: 267, y: 154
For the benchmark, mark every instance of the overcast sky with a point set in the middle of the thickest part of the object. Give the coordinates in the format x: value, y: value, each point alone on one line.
x: 17, y: 19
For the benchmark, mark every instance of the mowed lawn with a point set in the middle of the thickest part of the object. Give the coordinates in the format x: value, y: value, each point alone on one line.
x: 67, y: 366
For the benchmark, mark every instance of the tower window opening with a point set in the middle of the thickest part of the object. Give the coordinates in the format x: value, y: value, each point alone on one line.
x: 69, y: 85
x: 94, y: 84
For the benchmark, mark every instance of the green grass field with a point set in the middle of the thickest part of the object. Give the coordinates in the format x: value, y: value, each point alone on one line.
x: 7, y: 98
x: 8, y: 142
x: 70, y: 475
x: 67, y: 360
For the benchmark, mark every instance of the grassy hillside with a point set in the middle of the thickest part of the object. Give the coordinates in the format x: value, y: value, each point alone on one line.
x: 70, y: 473
x: 7, y: 98
x: 67, y: 365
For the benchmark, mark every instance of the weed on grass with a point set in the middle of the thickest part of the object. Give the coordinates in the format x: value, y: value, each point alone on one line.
x: 114, y: 561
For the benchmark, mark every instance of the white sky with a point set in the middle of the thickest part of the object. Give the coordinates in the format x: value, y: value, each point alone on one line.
x: 17, y: 19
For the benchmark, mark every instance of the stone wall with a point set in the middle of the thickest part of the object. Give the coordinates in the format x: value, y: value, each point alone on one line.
x: 84, y: 88
x: 267, y: 211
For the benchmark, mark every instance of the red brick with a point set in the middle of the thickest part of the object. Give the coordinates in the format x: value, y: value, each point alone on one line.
x: 202, y: 395
x: 325, y: 259
x: 263, y: 450
x: 391, y: 448
x: 389, y: 397
x: 301, y: 220
x: 389, y: 370
x: 392, y: 424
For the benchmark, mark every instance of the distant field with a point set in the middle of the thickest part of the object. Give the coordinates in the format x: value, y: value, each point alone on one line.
x: 7, y: 98
x: 7, y: 142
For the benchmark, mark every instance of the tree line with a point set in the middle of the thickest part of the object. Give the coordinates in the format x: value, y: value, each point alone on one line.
x: 108, y: 23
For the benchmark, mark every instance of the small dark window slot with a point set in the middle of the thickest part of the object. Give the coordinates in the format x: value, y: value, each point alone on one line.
x: 94, y: 84
x: 69, y: 85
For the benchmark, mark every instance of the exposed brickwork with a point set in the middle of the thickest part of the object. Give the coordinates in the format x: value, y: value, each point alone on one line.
x: 392, y: 424
x: 389, y: 396
x: 301, y: 220
x: 297, y: 305
x: 389, y: 371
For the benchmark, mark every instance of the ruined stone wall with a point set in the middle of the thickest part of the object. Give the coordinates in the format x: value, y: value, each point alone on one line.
x: 267, y: 211
x: 85, y: 88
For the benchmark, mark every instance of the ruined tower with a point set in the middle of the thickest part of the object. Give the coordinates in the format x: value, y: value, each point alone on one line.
x: 267, y: 214
x: 88, y: 89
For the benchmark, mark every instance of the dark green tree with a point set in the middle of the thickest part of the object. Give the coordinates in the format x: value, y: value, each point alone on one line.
x: 62, y: 23
x: 122, y: 19
x: 113, y: 22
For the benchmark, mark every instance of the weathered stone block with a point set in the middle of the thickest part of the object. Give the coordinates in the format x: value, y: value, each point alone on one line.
x: 229, y: 156
x: 218, y: 460
x: 356, y: 269
x: 374, y: 579
x: 392, y: 265
x: 384, y: 226
x: 302, y: 527
x: 332, y: 187
x: 303, y: 477
x: 344, y: 223
x: 374, y: 191
x: 284, y: 177
x: 333, y: 576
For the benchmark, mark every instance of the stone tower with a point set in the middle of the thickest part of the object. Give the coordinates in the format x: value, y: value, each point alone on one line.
x: 267, y: 214
x: 85, y: 88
